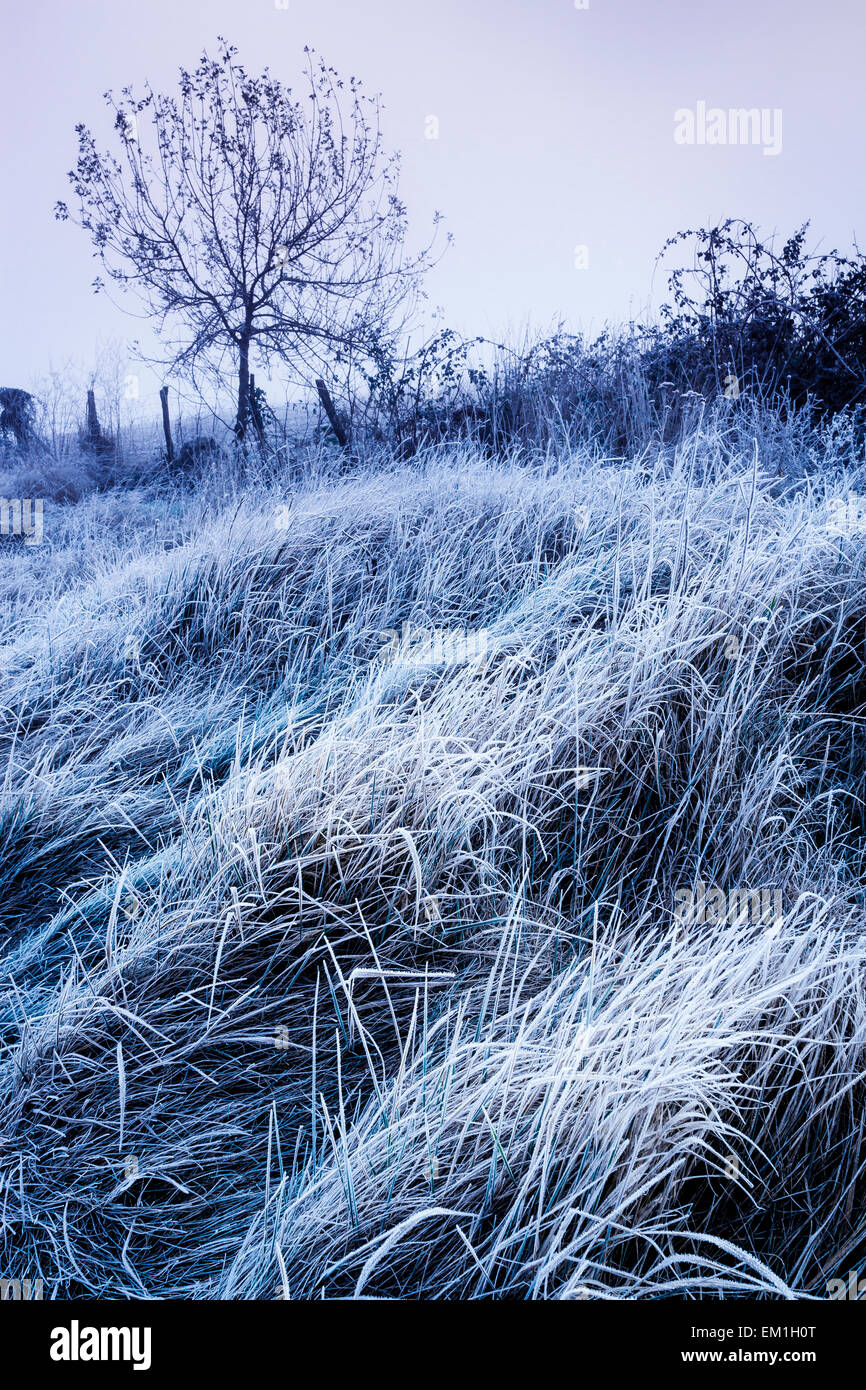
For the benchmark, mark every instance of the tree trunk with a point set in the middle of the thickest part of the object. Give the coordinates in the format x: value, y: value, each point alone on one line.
x: 256, y: 415
x: 243, y: 388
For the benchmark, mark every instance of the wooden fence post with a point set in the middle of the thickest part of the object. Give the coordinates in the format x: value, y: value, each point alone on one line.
x: 93, y: 440
x: 166, y: 423
x: 330, y: 411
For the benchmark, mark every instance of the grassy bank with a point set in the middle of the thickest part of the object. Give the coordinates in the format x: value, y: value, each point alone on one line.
x: 334, y: 963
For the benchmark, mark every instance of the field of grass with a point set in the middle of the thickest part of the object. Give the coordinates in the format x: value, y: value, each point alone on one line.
x: 335, y: 965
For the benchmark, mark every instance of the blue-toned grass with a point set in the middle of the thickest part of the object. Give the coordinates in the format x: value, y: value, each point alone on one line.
x: 325, y: 970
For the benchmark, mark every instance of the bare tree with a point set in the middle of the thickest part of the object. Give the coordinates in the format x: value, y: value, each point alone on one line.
x: 256, y: 223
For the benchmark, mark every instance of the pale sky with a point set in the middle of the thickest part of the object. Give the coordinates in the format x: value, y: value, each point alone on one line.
x: 556, y: 130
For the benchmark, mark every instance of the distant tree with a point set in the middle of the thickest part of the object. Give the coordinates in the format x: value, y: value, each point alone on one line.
x: 256, y: 224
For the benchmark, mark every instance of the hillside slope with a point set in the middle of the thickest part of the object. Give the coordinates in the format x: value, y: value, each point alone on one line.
x: 340, y: 856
